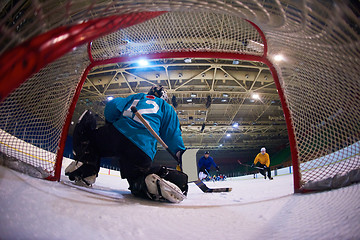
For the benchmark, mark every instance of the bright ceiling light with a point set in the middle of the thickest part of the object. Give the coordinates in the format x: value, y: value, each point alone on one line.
x: 235, y: 125
x: 110, y: 98
x: 228, y: 135
x: 279, y: 57
x: 255, y: 96
x: 143, y: 62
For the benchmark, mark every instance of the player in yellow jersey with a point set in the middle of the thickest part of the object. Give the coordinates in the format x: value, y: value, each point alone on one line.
x: 264, y: 162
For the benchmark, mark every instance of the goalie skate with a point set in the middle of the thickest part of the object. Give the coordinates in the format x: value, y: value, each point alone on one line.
x: 161, y: 189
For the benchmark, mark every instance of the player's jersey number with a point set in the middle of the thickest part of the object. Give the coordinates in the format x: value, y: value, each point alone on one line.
x: 129, y: 113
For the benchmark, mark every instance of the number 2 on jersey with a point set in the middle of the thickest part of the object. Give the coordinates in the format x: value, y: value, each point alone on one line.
x: 128, y: 112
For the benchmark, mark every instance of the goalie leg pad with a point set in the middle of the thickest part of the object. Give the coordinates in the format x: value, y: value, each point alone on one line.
x: 176, y: 177
x: 73, y: 166
x: 161, y: 184
x: 82, y: 135
x: 83, y: 174
x: 160, y: 189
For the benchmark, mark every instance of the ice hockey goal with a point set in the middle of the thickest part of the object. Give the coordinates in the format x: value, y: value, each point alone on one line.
x: 46, y: 55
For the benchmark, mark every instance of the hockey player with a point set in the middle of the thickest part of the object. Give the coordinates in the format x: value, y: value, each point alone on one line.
x: 125, y: 137
x: 264, y: 162
x: 205, y: 163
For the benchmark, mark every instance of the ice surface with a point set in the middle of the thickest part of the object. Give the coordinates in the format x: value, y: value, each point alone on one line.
x: 256, y: 209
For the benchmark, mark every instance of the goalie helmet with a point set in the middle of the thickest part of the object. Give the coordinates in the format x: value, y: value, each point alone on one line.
x: 158, y: 91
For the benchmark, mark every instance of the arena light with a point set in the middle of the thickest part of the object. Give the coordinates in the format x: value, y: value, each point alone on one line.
x: 110, y: 98
x: 228, y: 135
x: 235, y: 125
x: 255, y: 96
x: 143, y: 62
x: 279, y: 58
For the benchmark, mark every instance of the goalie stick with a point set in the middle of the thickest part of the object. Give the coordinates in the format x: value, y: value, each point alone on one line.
x: 198, y: 183
x: 206, y: 189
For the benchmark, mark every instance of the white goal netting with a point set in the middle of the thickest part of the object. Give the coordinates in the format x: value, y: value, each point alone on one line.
x: 319, y: 42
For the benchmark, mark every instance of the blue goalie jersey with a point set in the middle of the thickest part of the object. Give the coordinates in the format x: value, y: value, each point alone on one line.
x: 157, y: 112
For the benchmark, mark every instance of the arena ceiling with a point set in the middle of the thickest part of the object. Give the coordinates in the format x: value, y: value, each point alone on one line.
x: 221, y: 103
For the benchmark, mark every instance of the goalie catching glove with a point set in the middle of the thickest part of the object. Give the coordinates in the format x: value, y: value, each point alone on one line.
x: 161, y: 184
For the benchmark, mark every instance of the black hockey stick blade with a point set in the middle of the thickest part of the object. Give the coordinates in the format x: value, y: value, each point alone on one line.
x: 206, y: 189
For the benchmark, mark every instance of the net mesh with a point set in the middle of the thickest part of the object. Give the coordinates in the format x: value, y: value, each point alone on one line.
x: 200, y: 31
x: 32, y: 117
x: 319, y: 74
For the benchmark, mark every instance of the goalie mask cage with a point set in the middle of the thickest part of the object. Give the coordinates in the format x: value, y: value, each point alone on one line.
x: 49, y: 47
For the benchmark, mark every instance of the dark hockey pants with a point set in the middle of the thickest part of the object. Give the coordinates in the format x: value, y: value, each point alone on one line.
x: 107, y: 141
x: 268, y: 170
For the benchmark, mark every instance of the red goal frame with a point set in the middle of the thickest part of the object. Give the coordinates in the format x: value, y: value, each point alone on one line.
x: 21, y: 62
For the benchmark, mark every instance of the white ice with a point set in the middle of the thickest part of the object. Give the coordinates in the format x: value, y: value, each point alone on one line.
x: 256, y: 209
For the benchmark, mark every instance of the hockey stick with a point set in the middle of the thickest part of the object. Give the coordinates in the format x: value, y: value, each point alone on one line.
x: 249, y: 165
x: 207, y: 173
x: 205, y: 189
x: 198, y: 183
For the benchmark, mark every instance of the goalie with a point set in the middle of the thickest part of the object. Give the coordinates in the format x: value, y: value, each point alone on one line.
x: 125, y: 137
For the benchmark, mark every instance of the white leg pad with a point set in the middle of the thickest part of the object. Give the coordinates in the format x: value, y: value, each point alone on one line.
x: 168, y: 190
x: 73, y: 166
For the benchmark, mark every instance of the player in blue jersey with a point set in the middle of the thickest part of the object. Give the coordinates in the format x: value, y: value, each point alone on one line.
x: 204, y: 164
x: 125, y: 137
